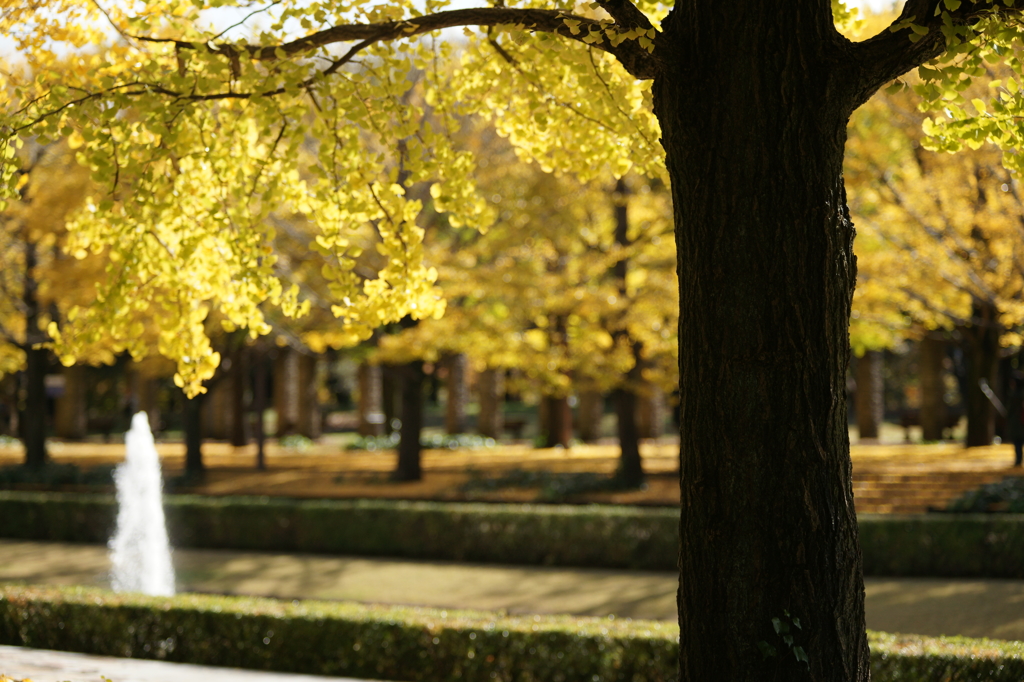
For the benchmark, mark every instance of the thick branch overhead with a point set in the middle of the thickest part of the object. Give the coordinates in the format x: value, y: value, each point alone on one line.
x: 634, y: 58
x: 625, y: 14
x: 892, y: 53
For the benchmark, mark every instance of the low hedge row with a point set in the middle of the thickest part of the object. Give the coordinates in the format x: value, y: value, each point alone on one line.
x: 970, y: 545
x: 943, y: 545
x: 417, y: 644
x: 390, y: 643
x: 563, y: 535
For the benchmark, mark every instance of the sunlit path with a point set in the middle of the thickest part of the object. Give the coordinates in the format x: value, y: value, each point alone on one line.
x: 60, y: 666
x: 970, y: 607
x: 890, y: 477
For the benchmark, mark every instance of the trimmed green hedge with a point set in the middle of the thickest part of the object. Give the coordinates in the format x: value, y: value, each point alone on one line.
x: 975, y: 545
x: 417, y: 644
x: 912, y: 658
x: 338, y: 639
x: 563, y: 535
x: 943, y: 545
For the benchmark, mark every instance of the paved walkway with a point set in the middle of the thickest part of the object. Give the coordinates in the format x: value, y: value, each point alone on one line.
x: 975, y: 608
x: 60, y: 666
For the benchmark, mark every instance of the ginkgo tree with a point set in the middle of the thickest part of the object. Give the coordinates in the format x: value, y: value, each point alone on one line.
x: 191, y: 134
x: 39, y: 280
x: 944, y: 242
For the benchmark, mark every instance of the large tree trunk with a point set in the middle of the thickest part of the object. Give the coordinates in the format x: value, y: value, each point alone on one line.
x: 870, y: 404
x: 753, y: 118
x: 412, y: 380
x: 982, y: 351
x: 933, y: 388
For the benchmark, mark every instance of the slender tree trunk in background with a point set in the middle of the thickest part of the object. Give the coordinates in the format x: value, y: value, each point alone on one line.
x: 391, y: 394
x: 217, y: 406
x: 589, y: 414
x: 651, y: 412
x: 9, y: 405
x: 309, y: 418
x: 933, y: 388
x: 286, y: 391
x: 491, y: 392
x: 412, y: 382
x: 69, y: 420
x: 259, y: 399
x: 630, y: 467
x: 630, y: 471
x: 146, y: 393
x: 33, y: 418
x: 870, y: 404
x: 238, y: 385
x: 558, y: 422
x: 457, y: 387
x: 753, y: 107
x: 982, y: 353
x: 371, y: 399
x: 193, y: 425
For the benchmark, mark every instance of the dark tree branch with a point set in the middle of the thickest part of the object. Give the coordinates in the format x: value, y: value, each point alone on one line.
x: 626, y: 14
x: 892, y: 53
x: 634, y: 58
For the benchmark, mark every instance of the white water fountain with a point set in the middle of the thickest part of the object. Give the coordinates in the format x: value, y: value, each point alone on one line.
x: 139, y: 551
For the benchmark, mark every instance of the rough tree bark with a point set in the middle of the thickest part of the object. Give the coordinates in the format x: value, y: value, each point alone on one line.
x: 753, y: 105
x: 933, y: 389
x: 869, y: 403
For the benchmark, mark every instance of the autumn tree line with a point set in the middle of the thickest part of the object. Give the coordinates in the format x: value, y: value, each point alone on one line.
x: 568, y: 299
